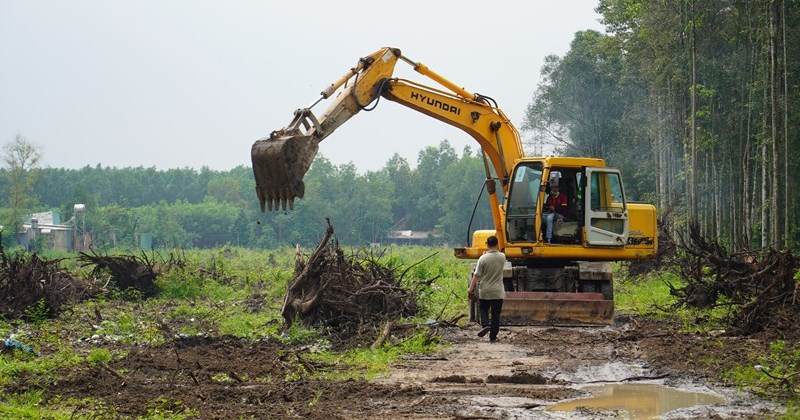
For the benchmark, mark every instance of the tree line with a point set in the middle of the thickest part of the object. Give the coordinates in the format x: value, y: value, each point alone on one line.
x: 696, y: 101
x: 207, y: 208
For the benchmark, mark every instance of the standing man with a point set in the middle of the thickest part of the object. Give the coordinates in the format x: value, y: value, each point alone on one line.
x: 488, y: 278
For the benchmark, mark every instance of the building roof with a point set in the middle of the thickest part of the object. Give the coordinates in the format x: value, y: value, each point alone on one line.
x: 409, y: 234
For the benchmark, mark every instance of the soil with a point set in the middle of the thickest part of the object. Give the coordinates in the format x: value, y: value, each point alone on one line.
x: 529, y: 369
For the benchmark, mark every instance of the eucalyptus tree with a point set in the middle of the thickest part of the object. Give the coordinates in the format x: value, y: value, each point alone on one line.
x: 580, y: 102
x: 401, y: 176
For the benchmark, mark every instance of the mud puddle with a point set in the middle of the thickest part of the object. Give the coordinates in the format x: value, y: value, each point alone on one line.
x: 630, y: 389
x: 637, y: 401
x: 561, y: 373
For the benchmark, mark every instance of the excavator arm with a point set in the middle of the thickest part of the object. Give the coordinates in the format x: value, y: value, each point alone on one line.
x: 549, y: 285
x: 281, y: 160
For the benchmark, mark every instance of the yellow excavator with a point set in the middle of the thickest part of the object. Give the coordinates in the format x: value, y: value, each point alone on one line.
x: 563, y: 281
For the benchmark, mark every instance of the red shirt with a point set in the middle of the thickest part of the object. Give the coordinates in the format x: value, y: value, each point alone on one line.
x: 558, y: 201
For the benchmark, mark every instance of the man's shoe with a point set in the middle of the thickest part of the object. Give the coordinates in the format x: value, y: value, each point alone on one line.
x: 493, y: 340
x: 483, y: 332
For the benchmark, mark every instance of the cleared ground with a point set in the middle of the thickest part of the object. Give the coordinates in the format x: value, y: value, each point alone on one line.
x: 529, y: 370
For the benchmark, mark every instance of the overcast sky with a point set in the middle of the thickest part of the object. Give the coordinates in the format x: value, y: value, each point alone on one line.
x: 176, y: 84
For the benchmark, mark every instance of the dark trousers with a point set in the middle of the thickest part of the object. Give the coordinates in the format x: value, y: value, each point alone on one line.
x: 495, y: 306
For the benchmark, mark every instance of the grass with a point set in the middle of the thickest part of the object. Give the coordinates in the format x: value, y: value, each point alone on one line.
x: 27, y: 405
x: 251, y: 325
x: 100, y: 355
x: 650, y: 296
x: 773, y: 370
x: 164, y: 409
x: 229, y: 291
x: 368, y: 363
x: 17, y: 363
x: 446, y: 296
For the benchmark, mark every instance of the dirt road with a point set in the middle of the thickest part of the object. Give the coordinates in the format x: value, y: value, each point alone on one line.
x: 636, y: 369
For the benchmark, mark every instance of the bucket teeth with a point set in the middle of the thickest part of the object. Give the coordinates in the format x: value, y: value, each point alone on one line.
x: 279, y: 164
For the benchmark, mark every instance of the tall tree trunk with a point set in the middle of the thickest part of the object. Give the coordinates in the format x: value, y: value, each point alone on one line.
x: 776, y: 224
x: 662, y: 154
x: 787, y: 196
x: 735, y: 217
x: 717, y: 199
x: 748, y: 170
x: 693, y: 120
x: 704, y: 205
x: 764, y: 197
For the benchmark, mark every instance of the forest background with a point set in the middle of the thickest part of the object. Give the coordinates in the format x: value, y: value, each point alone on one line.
x: 696, y: 102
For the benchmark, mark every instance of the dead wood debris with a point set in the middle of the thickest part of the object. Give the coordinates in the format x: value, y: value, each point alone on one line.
x: 125, y: 271
x: 32, y: 287
x: 759, y: 287
x: 345, y: 293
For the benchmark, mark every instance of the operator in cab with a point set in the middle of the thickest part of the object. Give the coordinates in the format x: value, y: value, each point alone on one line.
x: 555, y: 208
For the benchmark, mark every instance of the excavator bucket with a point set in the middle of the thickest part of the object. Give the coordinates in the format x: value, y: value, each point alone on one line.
x: 279, y: 164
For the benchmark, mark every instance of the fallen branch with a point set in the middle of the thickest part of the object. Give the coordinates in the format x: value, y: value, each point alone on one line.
x: 108, y: 368
x: 387, y: 329
x: 387, y: 332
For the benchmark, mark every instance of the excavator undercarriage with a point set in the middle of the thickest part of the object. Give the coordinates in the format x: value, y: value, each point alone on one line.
x: 580, y: 293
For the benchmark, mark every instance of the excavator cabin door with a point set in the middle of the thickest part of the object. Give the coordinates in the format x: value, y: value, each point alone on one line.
x: 606, y: 222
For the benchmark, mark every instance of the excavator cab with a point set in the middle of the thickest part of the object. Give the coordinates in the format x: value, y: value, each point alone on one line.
x: 567, y: 281
x: 521, y: 208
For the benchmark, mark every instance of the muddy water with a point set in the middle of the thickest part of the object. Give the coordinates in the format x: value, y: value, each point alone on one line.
x: 638, y: 401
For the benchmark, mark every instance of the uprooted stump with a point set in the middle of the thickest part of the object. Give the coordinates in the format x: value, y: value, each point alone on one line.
x: 32, y: 287
x: 759, y: 286
x: 125, y: 271
x: 344, y: 292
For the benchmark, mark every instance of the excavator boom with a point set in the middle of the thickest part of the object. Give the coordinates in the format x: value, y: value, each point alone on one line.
x: 565, y: 283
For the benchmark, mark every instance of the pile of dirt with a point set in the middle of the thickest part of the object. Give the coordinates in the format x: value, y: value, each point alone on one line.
x: 32, y: 287
x: 345, y: 293
x: 222, y: 377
